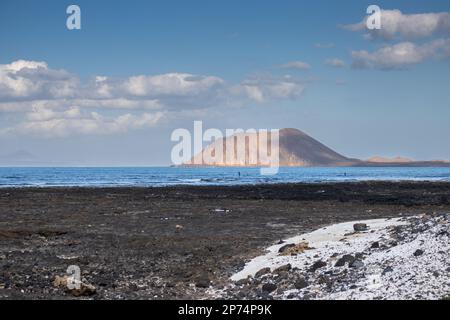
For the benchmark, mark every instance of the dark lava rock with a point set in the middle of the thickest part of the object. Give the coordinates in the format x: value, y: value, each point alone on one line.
x: 356, y: 264
x: 387, y: 270
x: 359, y: 256
x: 375, y: 245
x: 269, y: 287
x: 317, y: 265
x: 347, y: 258
x: 286, y: 247
x: 358, y: 227
x: 242, y: 282
x: 301, y: 284
x: 418, y: 252
x: 202, y: 281
x: 325, y: 280
x: 262, y: 272
x: 286, y: 267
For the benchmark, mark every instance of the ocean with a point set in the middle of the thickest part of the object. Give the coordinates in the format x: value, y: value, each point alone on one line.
x: 169, y: 176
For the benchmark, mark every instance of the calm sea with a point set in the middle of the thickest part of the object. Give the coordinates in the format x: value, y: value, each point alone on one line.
x: 166, y: 176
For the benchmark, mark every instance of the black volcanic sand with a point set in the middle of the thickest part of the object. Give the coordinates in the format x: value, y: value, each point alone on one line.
x: 168, y: 243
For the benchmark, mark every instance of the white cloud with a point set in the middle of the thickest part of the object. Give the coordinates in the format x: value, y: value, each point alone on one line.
x: 174, y: 84
x: 299, y: 65
x: 262, y: 89
x: 60, y: 102
x: 50, y: 123
x: 406, y: 26
x: 34, y: 80
x: 335, y: 62
x: 401, y: 55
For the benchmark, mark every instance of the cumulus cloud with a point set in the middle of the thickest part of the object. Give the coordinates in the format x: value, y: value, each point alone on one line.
x: 52, y: 123
x: 395, y: 24
x: 57, y: 101
x: 299, y: 65
x: 266, y: 88
x: 173, y: 84
x: 335, y: 62
x: 401, y: 55
x: 24, y: 80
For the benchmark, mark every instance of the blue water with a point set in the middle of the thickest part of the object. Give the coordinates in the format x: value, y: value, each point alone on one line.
x: 96, y: 177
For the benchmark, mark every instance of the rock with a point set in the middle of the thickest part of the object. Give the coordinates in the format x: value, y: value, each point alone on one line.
x: 262, y: 272
x: 286, y: 267
x: 179, y: 227
x: 84, y: 288
x: 301, y: 283
x: 375, y: 245
x: 283, y: 275
x: 347, y: 258
x: 317, y: 265
x: 356, y: 264
x: 294, y: 249
x: 325, y: 280
x: 418, y: 252
x: 387, y: 270
x: 269, y: 287
x: 60, y: 282
x: 359, y: 227
x: 359, y: 256
x: 242, y: 282
x: 202, y: 281
x: 286, y: 247
x: 448, y: 269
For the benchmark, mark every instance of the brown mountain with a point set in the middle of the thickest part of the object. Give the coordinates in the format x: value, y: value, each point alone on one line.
x: 297, y: 149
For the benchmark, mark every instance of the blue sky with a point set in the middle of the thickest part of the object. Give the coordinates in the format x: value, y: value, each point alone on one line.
x: 235, y: 58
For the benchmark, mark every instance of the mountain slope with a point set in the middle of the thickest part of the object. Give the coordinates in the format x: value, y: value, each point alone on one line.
x: 296, y: 149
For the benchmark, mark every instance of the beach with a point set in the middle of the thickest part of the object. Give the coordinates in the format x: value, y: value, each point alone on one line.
x: 176, y: 242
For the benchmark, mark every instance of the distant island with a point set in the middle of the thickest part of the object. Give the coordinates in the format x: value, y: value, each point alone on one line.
x: 297, y: 149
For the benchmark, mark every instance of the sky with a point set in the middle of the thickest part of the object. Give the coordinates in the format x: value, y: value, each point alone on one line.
x: 111, y: 93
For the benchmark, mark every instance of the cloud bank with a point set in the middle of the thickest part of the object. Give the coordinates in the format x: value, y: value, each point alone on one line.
x: 395, y: 24
x: 60, y: 102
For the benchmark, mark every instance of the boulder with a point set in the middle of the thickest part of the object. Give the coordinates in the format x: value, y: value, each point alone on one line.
x: 286, y: 267
x: 317, y: 265
x: 347, y: 258
x: 269, y: 287
x: 301, y: 283
x: 262, y: 272
x: 359, y: 227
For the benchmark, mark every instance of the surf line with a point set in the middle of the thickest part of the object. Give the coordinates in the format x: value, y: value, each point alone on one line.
x: 189, y: 310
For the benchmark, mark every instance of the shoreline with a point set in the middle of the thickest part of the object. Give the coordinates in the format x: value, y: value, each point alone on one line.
x: 176, y: 242
x: 226, y: 185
